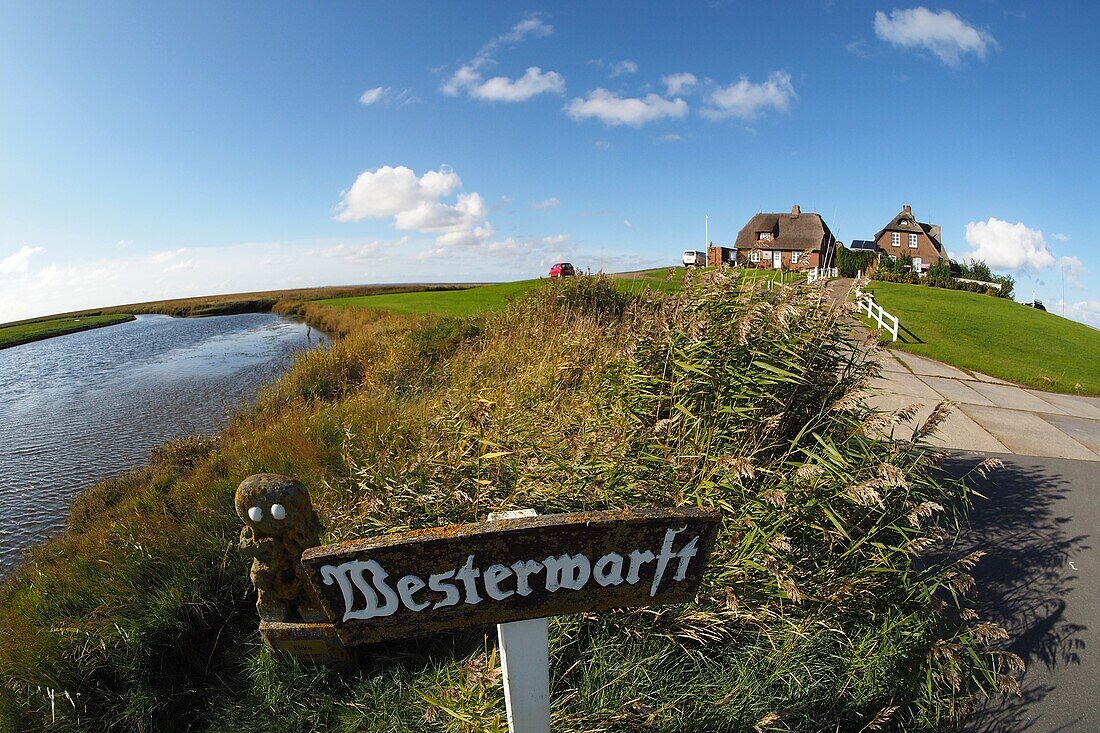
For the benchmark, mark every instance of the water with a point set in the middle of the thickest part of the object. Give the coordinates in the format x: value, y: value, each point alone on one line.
x: 79, y: 408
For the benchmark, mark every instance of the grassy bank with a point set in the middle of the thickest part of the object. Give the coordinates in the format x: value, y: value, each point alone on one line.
x: 37, y: 330
x: 229, y: 304
x: 497, y: 296
x: 822, y: 609
x: 462, y: 303
x: 994, y: 336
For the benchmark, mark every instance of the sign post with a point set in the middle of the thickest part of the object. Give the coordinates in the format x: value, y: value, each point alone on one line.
x: 514, y: 571
x: 525, y: 664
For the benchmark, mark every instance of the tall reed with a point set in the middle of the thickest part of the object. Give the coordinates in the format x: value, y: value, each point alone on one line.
x: 823, y: 608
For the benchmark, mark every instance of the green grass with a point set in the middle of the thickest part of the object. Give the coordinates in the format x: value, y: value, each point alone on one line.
x: 26, y: 332
x: 748, y: 401
x: 460, y: 303
x: 994, y: 336
x: 660, y: 279
x: 494, y: 297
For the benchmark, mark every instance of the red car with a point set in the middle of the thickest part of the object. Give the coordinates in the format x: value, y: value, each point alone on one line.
x: 562, y: 269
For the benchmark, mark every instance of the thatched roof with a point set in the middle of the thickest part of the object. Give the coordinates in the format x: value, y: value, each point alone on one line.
x: 790, y: 231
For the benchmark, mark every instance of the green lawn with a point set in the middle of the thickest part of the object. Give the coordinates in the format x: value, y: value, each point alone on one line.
x: 444, y: 302
x: 655, y: 279
x: 471, y: 301
x: 994, y: 336
x: 26, y: 332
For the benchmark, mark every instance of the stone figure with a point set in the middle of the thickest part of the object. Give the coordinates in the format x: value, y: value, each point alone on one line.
x: 279, y: 524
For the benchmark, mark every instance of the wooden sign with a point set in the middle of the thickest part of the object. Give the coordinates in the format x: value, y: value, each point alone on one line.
x: 432, y: 580
x: 309, y: 643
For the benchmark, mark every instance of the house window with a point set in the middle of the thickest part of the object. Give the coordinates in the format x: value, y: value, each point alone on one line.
x: 895, y: 239
x: 765, y: 237
x: 754, y: 256
x: 913, y: 241
x: 767, y: 254
x: 794, y: 257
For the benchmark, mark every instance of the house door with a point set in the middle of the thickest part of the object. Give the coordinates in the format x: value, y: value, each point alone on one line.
x: 777, y: 259
x: 917, y: 266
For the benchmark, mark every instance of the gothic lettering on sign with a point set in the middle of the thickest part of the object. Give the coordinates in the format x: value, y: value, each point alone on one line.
x: 443, y: 578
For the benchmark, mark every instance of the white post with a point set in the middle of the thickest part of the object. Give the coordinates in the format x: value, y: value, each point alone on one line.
x: 525, y: 661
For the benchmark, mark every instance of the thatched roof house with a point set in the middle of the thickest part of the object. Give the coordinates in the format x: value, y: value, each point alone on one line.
x: 779, y: 240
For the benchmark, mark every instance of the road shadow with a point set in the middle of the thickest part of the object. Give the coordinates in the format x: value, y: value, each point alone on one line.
x: 1023, y: 525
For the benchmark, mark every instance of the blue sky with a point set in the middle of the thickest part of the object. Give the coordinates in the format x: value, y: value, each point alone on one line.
x: 157, y: 151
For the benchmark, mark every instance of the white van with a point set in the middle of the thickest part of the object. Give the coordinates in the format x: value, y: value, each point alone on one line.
x: 695, y: 258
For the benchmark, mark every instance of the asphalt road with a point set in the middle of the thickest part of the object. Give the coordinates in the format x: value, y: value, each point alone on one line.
x: 1040, y: 580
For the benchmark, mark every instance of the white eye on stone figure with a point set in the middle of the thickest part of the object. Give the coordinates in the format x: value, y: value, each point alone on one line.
x: 278, y: 511
x: 255, y: 513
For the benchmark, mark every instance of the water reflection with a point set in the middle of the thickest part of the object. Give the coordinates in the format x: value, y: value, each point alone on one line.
x: 78, y: 408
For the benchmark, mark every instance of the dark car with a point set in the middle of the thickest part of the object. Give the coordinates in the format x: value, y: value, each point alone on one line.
x: 562, y: 269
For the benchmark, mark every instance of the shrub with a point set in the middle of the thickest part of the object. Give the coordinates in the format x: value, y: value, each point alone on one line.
x: 849, y: 263
x: 939, y: 276
x: 821, y: 608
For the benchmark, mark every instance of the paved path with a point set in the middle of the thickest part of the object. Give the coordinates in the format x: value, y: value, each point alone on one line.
x: 1040, y: 580
x: 993, y: 415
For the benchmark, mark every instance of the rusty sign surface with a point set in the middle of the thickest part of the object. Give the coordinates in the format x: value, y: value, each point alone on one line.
x: 443, y: 578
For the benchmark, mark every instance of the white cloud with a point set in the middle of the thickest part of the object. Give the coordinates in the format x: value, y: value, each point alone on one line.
x: 613, y: 110
x: 532, y: 26
x: 414, y: 203
x: 534, y: 81
x: 1072, y: 268
x: 129, y: 278
x: 747, y: 101
x: 858, y: 48
x: 1085, y: 311
x: 362, y: 252
x: 626, y: 66
x: 502, y: 89
x: 680, y: 83
x: 1060, y: 237
x: 628, y: 224
x: 258, y: 266
x: 549, y: 203
x: 1008, y: 246
x: 371, y: 96
x: 181, y: 266
x: 124, y: 243
x: 670, y: 137
x: 19, y: 261
x: 603, y: 145
x: 389, y: 190
x: 161, y: 258
x: 464, y: 78
x: 945, y: 34
x: 528, y: 255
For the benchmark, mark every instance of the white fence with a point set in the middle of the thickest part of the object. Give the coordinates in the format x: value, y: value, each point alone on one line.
x: 980, y: 282
x: 819, y: 273
x: 866, y: 302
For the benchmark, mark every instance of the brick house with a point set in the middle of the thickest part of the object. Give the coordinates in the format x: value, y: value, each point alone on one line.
x: 904, y: 235
x: 794, y: 241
